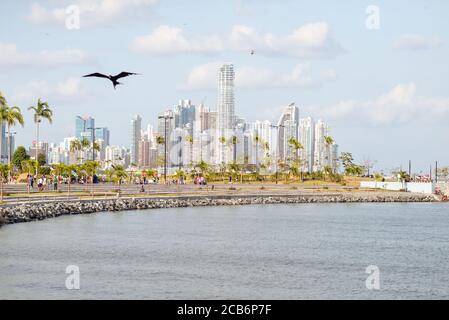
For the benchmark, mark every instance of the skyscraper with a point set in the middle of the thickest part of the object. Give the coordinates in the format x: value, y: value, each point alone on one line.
x: 184, y: 114
x: 136, y: 133
x: 226, y: 113
x: 307, y: 139
x: 82, y: 128
x: 287, y: 128
x: 102, y: 134
x: 321, y: 154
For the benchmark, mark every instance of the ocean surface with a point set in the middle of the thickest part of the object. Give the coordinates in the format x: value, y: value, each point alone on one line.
x: 300, y: 251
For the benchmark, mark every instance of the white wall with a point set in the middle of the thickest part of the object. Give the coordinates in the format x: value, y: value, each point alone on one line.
x: 427, y: 188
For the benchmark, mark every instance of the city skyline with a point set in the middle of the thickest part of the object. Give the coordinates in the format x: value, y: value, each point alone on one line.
x: 359, y: 80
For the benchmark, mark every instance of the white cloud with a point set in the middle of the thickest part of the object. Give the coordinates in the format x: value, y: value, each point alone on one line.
x: 92, y: 12
x: 311, y: 41
x: 167, y: 40
x: 206, y: 77
x: 399, y: 105
x: 417, y: 42
x: 11, y: 56
x: 65, y: 91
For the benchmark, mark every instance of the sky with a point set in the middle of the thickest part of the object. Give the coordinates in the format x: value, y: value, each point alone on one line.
x: 376, y: 71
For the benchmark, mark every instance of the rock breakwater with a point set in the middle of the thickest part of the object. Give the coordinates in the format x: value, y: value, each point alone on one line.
x: 39, y: 211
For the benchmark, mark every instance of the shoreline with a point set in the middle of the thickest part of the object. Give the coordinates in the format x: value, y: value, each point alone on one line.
x: 19, y: 213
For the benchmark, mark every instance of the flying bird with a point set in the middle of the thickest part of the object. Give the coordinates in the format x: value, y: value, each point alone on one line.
x: 252, y: 52
x: 114, y: 79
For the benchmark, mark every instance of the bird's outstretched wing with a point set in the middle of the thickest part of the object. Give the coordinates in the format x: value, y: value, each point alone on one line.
x: 125, y: 74
x: 98, y: 75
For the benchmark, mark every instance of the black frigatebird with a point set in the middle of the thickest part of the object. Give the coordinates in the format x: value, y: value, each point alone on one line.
x: 114, y: 79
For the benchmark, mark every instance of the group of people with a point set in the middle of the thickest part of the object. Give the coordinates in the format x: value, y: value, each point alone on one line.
x: 200, y: 180
x: 42, y: 182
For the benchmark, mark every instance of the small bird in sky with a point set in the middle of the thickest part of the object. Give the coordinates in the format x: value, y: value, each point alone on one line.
x: 252, y: 52
x: 114, y: 79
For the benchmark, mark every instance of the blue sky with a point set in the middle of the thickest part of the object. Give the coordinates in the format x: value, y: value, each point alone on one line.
x: 384, y: 92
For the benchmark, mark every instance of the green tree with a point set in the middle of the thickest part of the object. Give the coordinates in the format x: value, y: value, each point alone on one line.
x: 160, y: 140
x: 4, y: 171
x: 29, y: 166
x: 151, y: 173
x: 296, y: 145
x: 58, y: 169
x: 203, y: 167
x: 234, y: 142
x: 11, y: 116
x: 328, y: 141
x: 19, y: 156
x: 41, y: 111
x: 118, y: 174
x: 257, y: 141
x: 67, y: 172
x: 3, y: 108
x: 41, y: 159
x: 91, y: 167
x: 347, y: 161
x: 179, y: 174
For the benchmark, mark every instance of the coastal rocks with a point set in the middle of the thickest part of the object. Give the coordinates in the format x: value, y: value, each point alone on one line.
x: 41, y: 211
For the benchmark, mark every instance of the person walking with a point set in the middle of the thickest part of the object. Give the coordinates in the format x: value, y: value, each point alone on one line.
x: 55, y: 183
x: 39, y: 184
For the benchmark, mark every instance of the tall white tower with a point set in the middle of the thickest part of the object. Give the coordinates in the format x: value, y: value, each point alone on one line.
x: 307, y: 139
x: 226, y: 110
x: 287, y: 128
x: 136, y: 134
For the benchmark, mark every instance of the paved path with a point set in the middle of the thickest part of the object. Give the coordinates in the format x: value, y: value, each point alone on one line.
x: 18, y: 193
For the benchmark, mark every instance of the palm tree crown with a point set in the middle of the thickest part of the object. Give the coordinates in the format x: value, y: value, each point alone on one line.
x: 42, y: 111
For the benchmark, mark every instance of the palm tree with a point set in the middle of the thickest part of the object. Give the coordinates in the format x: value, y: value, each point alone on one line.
x: 234, y: 168
x: 29, y: 165
x: 257, y: 140
x: 13, y: 116
x: 234, y: 142
x: 203, y: 166
x: 2, y: 100
x: 68, y: 172
x: 160, y: 140
x: 4, y: 170
x: 328, y: 141
x: 85, y: 145
x: 10, y: 116
x: 75, y: 147
x: 296, y: 145
x: 179, y: 174
x: 91, y: 167
x: 41, y: 111
x: 118, y: 174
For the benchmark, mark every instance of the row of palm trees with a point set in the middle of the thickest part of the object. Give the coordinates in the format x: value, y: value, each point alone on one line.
x: 12, y: 116
x: 83, y: 145
x: 294, y: 163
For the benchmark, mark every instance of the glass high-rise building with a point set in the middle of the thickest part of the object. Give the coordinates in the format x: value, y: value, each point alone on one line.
x: 103, y: 134
x: 82, y: 128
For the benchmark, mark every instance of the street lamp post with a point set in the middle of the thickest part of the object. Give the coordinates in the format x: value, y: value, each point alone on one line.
x: 166, y: 117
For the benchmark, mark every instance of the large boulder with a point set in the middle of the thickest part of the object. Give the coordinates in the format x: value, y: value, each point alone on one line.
x: 2, y: 220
